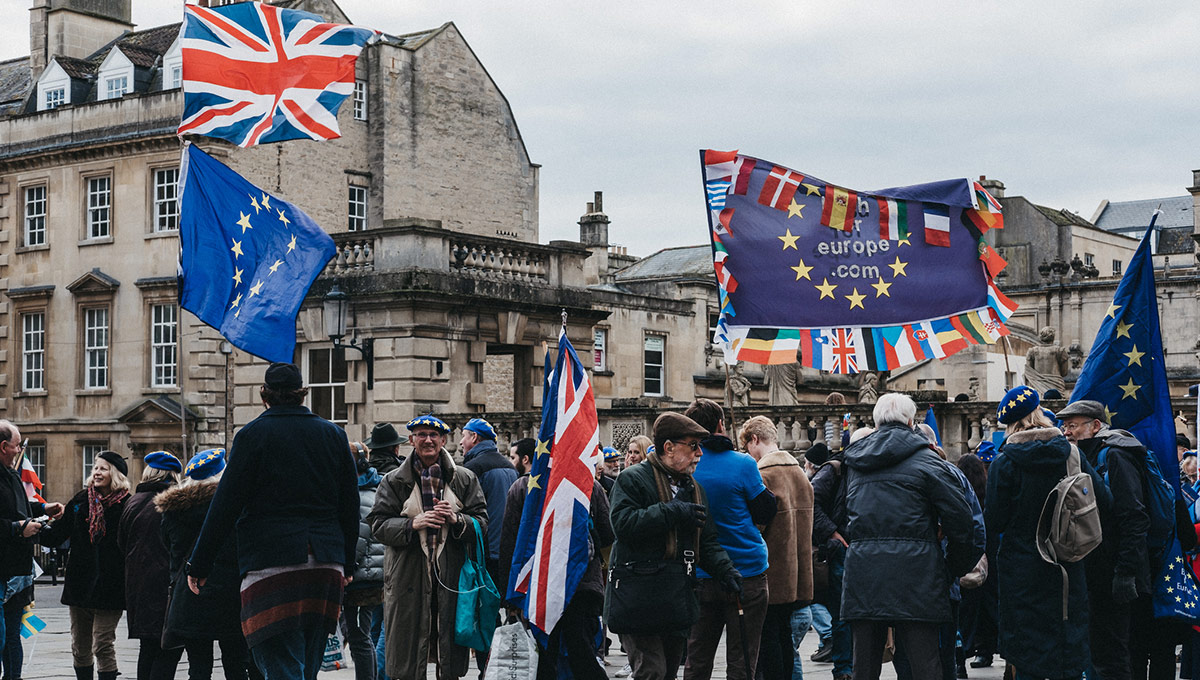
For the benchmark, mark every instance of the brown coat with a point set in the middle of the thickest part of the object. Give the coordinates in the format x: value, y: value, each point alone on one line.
x: 789, y: 535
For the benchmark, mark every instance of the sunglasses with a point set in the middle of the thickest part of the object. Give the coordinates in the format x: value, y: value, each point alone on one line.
x: 695, y: 446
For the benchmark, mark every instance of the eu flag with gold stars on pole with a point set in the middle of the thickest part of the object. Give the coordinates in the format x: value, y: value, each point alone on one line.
x: 1125, y: 371
x: 247, y: 258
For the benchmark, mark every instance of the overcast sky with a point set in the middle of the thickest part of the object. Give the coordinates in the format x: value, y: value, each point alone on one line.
x: 1066, y: 103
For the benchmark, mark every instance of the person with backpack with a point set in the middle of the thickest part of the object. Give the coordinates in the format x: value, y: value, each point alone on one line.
x: 1118, y: 572
x: 1035, y: 635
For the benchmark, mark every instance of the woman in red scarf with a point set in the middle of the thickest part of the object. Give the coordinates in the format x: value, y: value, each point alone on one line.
x: 94, y: 587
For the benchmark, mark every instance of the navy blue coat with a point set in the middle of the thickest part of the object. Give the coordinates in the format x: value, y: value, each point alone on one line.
x: 290, y: 487
x: 496, y: 474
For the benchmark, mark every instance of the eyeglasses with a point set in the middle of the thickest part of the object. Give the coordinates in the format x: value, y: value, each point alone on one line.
x: 695, y: 446
x: 425, y: 435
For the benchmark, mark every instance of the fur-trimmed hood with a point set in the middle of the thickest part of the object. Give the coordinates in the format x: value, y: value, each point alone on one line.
x: 186, y: 497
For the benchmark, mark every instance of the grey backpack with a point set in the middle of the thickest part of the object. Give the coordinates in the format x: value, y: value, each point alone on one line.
x: 1069, y: 525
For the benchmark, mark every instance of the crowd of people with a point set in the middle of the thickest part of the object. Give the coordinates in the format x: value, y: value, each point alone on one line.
x: 889, y: 551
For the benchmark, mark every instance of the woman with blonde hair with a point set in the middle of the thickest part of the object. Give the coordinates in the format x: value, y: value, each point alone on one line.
x: 1035, y: 637
x: 637, y: 450
x: 94, y: 588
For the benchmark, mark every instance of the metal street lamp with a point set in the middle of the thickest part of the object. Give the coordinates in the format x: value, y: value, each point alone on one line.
x: 337, y: 302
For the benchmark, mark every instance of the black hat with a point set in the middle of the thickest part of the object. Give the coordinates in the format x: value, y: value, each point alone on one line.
x: 817, y: 454
x: 114, y: 459
x: 1086, y: 408
x: 284, y: 377
x: 384, y: 436
x: 1181, y: 439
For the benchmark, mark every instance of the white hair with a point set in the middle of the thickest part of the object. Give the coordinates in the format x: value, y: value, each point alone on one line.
x: 894, y: 407
x: 860, y: 433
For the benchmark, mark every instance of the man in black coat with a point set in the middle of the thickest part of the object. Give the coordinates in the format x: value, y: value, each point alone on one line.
x: 828, y: 537
x: 16, y: 510
x: 900, y: 496
x: 384, y: 444
x: 1118, y: 572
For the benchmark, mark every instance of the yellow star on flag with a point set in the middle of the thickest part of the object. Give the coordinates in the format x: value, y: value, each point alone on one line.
x: 826, y: 289
x: 1135, y: 357
x: 856, y: 299
x: 254, y: 202
x: 244, y: 223
x: 256, y: 288
x: 275, y: 266
x: 284, y: 219
x: 541, y: 448
x: 811, y: 189
x: 533, y: 482
x: 1108, y: 415
x: 789, y: 241
x: 898, y: 268
x: 1123, y: 329
x: 266, y: 201
x: 802, y: 271
x: 881, y: 288
x: 237, y: 276
x: 1112, y: 311
x: 796, y: 209
x: 236, y: 301
x: 1129, y: 389
x: 903, y: 242
x: 292, y: 244
x: 237, y: 249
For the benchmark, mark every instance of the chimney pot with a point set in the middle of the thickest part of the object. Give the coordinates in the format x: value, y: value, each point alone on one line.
x: 591, y: 208
x: 599, y: 201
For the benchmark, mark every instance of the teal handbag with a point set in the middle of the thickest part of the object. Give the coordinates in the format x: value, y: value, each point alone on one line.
x: 478, y: 600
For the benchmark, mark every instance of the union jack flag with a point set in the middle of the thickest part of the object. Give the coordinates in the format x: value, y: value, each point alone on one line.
x: 552, y: 542
x: 841, y: 343
x: 255, y: 73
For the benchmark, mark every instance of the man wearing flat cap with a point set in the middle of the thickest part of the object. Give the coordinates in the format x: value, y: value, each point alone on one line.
x: 660, y: 516
x: 291, y: 491
x: 1118, y: 572
x: 423, y: 513
x: 384, y: 444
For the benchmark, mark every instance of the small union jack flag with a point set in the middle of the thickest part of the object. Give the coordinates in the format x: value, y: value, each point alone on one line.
x: 256, y: 73
x: 844, y: 354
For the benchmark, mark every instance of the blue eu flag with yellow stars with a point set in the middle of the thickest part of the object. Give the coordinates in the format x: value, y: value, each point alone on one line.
x: 1125, y: 371
x: 247, y: 258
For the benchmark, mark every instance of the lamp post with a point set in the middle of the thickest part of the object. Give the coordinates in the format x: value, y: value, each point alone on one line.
x: 337, y: 302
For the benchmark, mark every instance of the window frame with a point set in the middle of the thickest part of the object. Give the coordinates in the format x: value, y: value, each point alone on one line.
x: 314, y: 385
x: 27, y: 353
x: 359, y: 99
x: 158, y: 212
x: 27, y: 215
x: 96, y: 446
x: 156, y: 345
x: 50, y: 103
x: 599, y: 350
x: 1118, y: 267
x: 96, y: 213
x: 647, y: 338
x: 354, y: 217
x: 101, y: 352
x: 110, y: 92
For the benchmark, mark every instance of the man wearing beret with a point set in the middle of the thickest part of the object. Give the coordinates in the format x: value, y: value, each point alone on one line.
x: 423, y: 512
x: 1118, y: 572
x: 496, y: 474
x: 291, y: 491
x: 660, y: 514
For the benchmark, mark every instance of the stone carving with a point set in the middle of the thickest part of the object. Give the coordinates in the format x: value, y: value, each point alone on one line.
x: 622, y: 432
x: 973, y: 388
x: 783, y: 379
x: 1076, y: 354
x: 739, y: 386
x: 1047, y: 364
x: 868, y: 387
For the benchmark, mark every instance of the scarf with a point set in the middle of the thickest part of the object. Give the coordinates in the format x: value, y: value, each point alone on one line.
x: 97, y: 504
x: 663, y: 479
x: 431, y: 493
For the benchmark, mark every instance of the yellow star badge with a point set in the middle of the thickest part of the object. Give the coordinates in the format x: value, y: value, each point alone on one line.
x: 1129, y: 389
x: 1112, y: 311
x: 789, y: 241
x: 275, y: 266
x: 1123, y: 329
x: 811, y: 189
x: 1021, y: 397
x: 266, y: 201
x: 796, y: 209
x: 255, y: 288
x: 237, y: 276
x: 237, y: 249
x: 1135, y: 357
x: 881, y: 288
x: 898, y: 268
x: 254, y: 202
x: 826, y: 289
x: 244, y: 223
x: 802, y: 271
x: 1012, y: 404
x: 283, y: 218
x: 856, y: 299
x: 292, y: 244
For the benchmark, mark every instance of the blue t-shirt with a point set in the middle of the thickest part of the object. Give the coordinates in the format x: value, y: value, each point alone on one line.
x: 731, y: 480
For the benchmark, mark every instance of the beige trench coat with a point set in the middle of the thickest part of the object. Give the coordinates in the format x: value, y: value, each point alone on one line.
x: 789, y: 535
x: 408, y: 584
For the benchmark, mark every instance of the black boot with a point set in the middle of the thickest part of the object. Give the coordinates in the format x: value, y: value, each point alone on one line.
x: 825, y: 653
x: 960, y: 662
x: 83, y: 672
x: 982, y: 661
x: 108, y: 675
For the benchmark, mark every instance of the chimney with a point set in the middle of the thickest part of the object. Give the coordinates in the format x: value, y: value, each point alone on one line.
x: 593, y: 227
x: 74, y: 28
x: 994, y: 186
x: 38, y: 40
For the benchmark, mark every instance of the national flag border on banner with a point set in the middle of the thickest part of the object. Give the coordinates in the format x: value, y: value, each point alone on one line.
x: 874, y: 347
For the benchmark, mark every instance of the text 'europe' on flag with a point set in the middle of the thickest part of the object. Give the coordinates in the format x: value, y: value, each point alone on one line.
x: 552, y: 550
x: 256, y: 73
x: 247, y: 258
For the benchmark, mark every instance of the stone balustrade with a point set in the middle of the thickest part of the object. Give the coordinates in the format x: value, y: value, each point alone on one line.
x: 355, y: 254
x: 484, y: 258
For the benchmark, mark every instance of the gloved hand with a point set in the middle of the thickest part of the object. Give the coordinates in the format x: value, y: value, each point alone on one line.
x: 731, y: 582
x: 1124, y: 589
x: 686, y: 514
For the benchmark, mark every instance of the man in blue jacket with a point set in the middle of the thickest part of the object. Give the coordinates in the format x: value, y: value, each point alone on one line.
x: 496, y: 473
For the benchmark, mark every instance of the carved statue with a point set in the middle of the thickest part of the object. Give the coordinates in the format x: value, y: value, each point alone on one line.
x: 973, y: 388
x: 739, y: 386
x: 783, y: 380
x: 1046, y: 364
x: 868, y: 387
x: 1076, y: 354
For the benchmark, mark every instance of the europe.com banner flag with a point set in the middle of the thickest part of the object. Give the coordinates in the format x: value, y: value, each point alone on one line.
x: 851, y: 280
x: 247, y: 258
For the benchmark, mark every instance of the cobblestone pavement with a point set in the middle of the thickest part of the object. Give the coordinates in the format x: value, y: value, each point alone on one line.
x: 48, y: 654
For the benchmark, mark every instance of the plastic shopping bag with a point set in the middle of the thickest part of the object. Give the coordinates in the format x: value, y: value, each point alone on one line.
x: 514, y: 654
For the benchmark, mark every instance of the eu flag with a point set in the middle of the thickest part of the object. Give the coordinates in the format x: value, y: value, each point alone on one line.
x: 247, y: 258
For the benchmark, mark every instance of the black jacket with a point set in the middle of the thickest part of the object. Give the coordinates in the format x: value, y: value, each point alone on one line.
x: 290, y: 488
x: 496, y: 473
x: 215, y: 613
x: 897, y: 492
x: 149, y: 582
x: 1125, y: 523
x: 829, y: 501
x: 16, y: 551
x: 95, y: 573
x: 1033, y: 635
x: 384, y: 461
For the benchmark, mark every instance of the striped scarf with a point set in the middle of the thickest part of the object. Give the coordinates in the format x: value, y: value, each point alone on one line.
x: 431, y: 492
x: 97, y: 504
x: 664, y: 478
